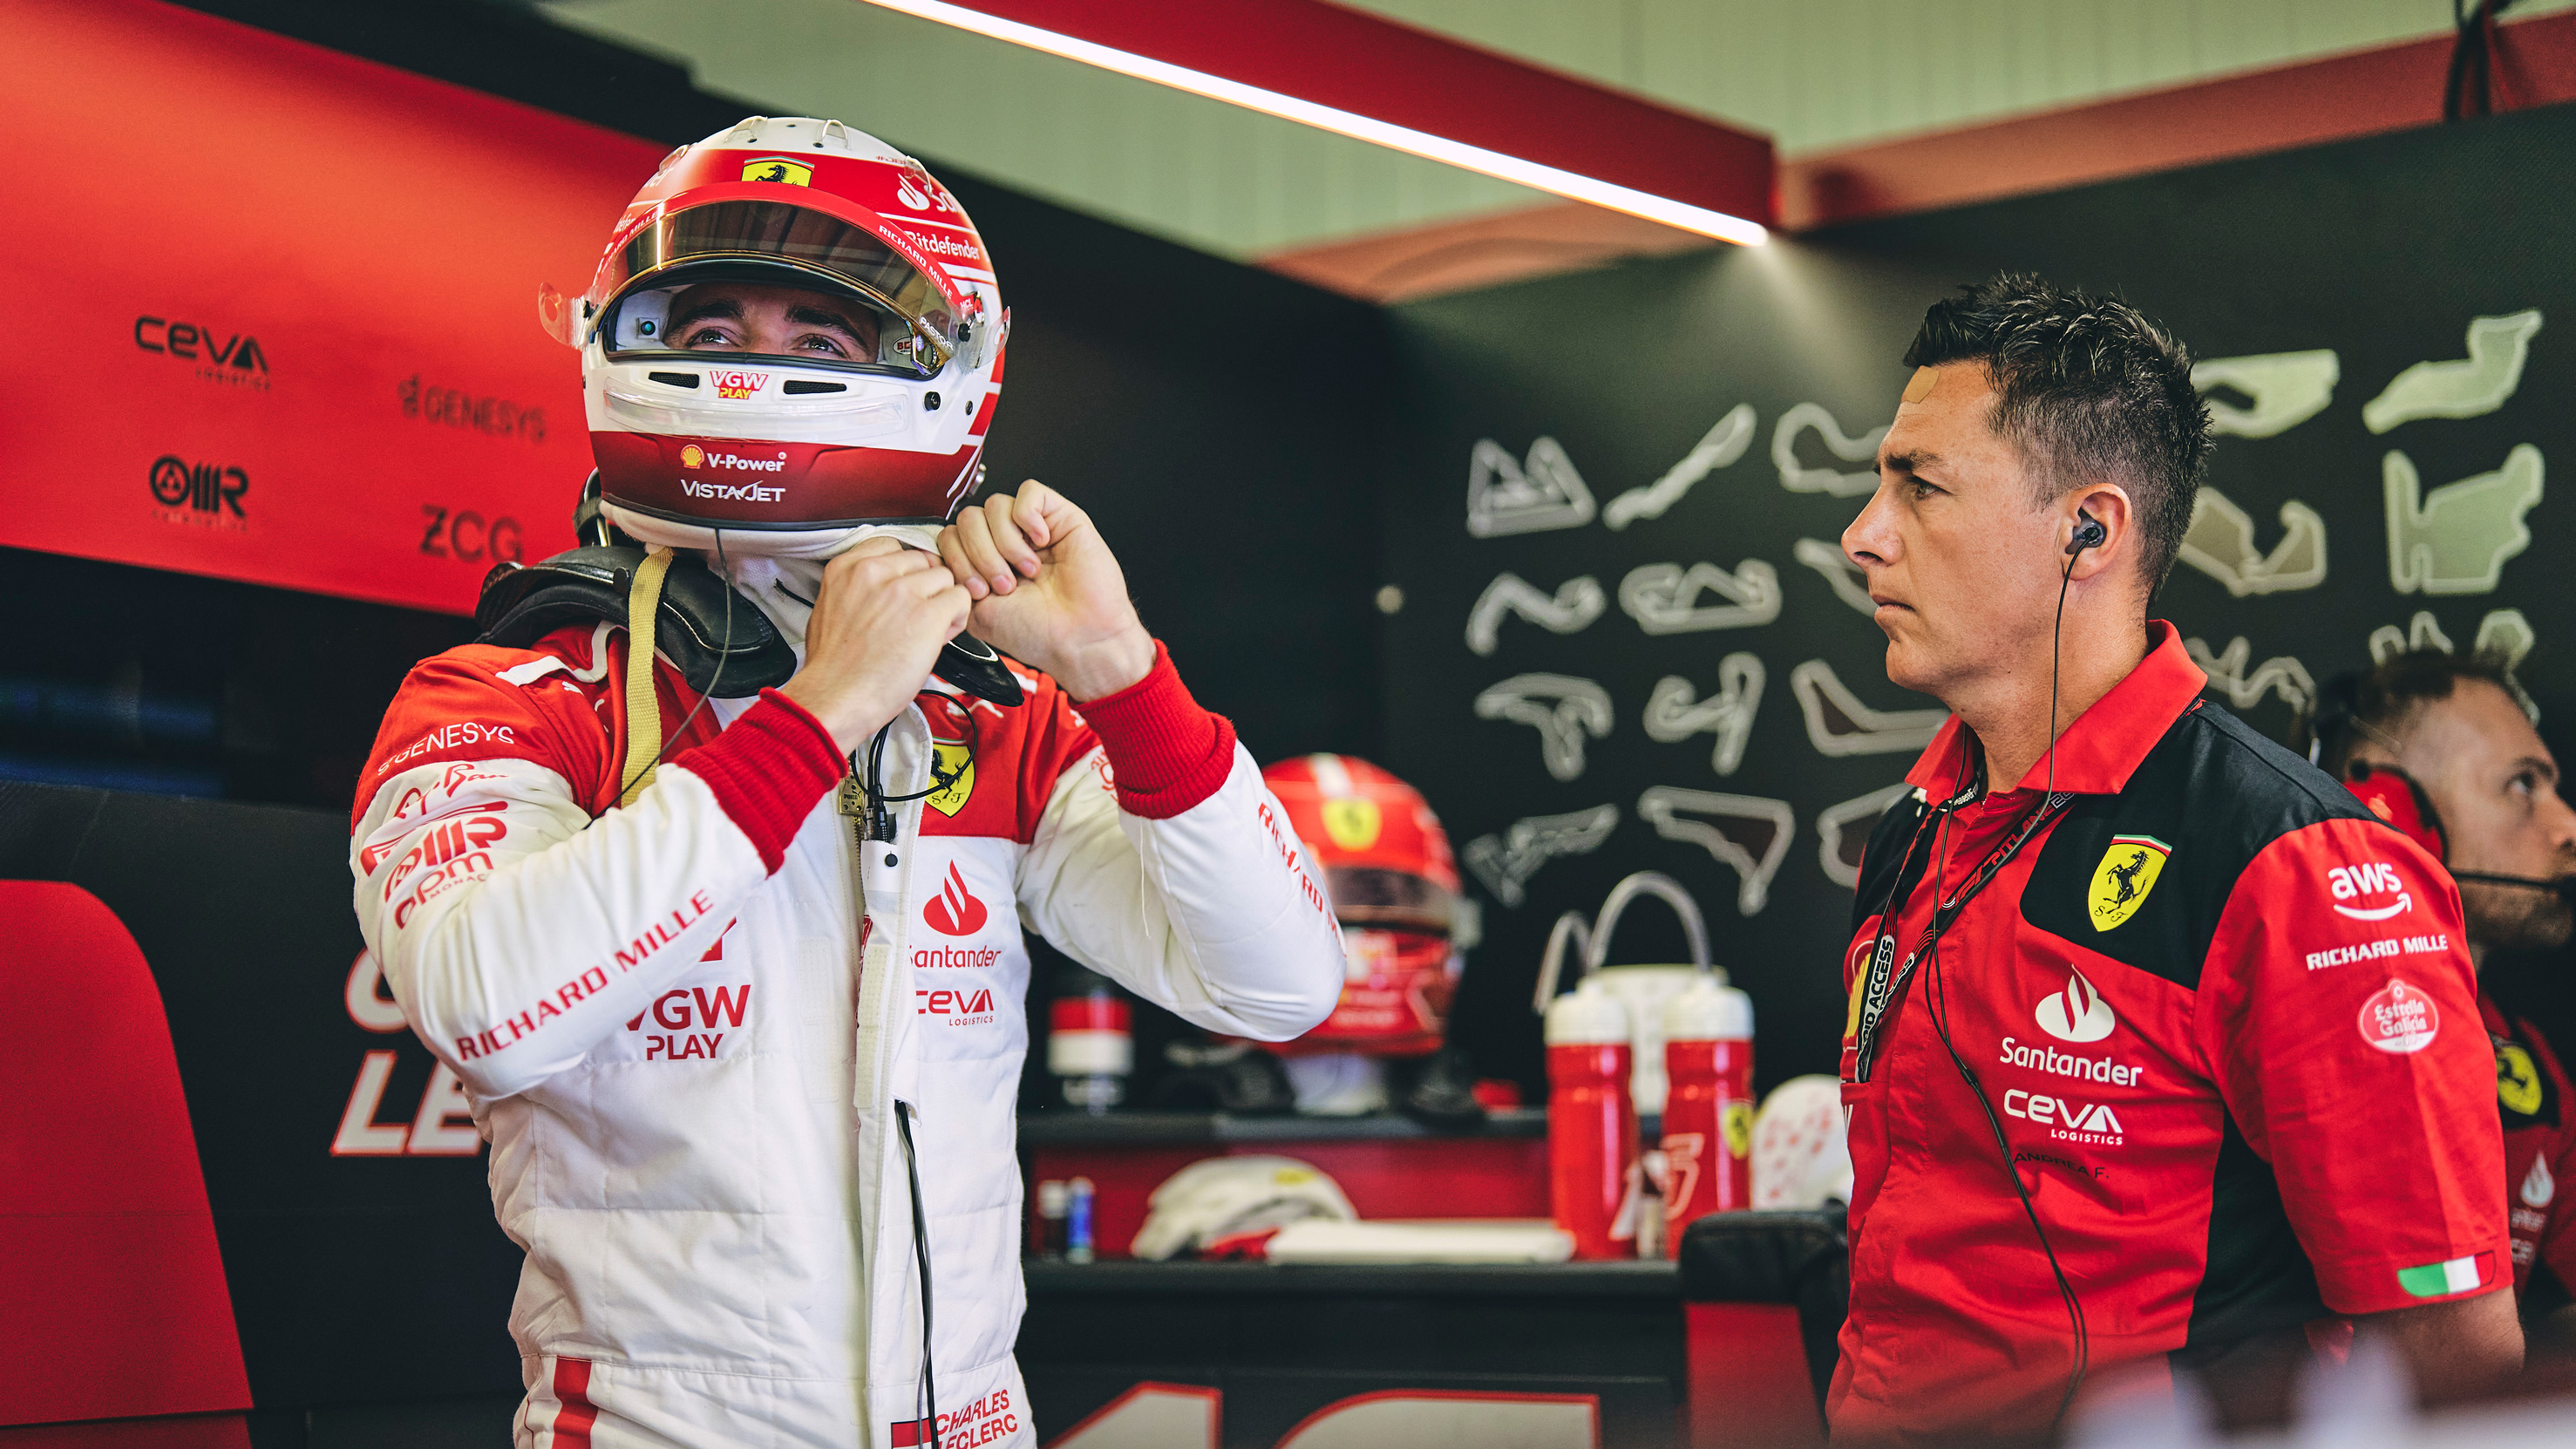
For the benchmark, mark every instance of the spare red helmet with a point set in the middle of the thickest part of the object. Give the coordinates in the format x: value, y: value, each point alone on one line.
x: 788, y: 455
x: 1394, y: 885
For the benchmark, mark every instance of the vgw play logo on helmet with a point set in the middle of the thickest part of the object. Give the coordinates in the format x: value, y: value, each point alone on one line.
x: 2078, y: 1013
x: 2121, y: 882
x: 736, y: 382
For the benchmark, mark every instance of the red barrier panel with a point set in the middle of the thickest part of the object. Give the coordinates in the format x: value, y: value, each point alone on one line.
x: 288, y: 307
x: 113, y: 1304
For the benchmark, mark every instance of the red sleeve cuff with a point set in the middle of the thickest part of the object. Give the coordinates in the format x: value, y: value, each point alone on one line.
x: 768, y: 769
x: 1166, y: 753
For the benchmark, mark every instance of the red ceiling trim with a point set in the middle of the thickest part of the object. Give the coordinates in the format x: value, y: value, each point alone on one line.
x: 2392, y: 88
x: 1374, y: 67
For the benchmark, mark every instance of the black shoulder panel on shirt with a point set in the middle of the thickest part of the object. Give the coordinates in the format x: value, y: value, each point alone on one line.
x: 2257, y: 1278
x: 2213, y: 794
x: 1879, y: 859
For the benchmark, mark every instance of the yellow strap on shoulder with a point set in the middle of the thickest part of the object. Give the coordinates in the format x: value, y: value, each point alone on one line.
x: 643, y: 708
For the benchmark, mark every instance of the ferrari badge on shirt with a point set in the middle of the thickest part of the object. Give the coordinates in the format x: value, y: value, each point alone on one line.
x: 2517, y: 1079
x: 2121, y: 882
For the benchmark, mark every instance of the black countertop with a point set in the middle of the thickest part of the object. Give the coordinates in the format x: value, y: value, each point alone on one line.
x: 1145, y: 1129
x: 1653, y: 1278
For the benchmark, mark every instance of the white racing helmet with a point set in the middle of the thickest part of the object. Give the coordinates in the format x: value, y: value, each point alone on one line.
x: 1220, y: 1196
x: 790, y: 456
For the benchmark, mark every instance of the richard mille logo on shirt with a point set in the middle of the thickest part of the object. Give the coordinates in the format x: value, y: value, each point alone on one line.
x: 2078, y: 1013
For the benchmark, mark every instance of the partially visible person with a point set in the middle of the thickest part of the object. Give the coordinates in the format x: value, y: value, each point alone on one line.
x: 2440, y: 745
x: 2111, y: 1115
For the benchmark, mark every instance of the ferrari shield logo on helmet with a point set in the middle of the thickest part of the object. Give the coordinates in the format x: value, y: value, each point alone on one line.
x: 2121, y: 882
x: 778, y: 169
x: 1351, y: 821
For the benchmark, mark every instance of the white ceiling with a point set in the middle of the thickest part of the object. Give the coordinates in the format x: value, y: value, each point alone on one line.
x: 1816, y: 75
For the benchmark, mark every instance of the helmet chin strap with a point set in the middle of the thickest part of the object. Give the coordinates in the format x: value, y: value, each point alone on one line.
x: 817, y: 544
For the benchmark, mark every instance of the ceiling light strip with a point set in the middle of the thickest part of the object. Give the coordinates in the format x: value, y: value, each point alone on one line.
x: 1515, y: 169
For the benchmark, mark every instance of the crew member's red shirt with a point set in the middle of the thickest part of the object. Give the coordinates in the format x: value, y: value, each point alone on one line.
x: 2532, y: 1096
x: 2226, y: 1022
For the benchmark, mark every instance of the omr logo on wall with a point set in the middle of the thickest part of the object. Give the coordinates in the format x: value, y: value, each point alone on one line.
x: 205, y: 489
x: 954, y: 911
x: 2078, y: 1013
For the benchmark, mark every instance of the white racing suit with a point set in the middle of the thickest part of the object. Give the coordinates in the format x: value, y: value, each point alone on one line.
x: 686, y: 1025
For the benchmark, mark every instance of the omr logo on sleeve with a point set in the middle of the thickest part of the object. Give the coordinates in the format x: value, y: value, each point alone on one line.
x: 2359, y: 883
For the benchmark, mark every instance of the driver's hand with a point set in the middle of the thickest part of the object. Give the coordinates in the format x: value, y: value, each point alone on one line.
x: 1048, y: 591
x: 878, y: 623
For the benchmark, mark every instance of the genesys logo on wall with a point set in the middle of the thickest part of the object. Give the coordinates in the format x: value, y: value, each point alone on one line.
x: 213, y: 354
x: 456, y: 407
x: 199, y: 494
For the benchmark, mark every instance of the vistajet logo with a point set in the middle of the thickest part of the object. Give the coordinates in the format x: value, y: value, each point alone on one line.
x: 732, y: 492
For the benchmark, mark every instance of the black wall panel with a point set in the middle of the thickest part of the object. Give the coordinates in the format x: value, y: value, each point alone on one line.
x: 2378, y: 252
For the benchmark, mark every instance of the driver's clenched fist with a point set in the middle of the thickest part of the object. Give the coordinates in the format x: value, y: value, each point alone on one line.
x: 878, y: 623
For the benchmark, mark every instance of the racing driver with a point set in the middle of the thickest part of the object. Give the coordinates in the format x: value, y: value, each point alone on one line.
x: 2163, y: 1051
x: 734, y: 977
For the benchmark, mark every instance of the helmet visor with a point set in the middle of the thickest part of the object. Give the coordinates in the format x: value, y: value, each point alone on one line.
x: 1370, y: 896
x: 778, y: 244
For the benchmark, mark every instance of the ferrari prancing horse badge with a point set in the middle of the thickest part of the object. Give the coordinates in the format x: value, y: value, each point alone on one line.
x: 2121, y: 882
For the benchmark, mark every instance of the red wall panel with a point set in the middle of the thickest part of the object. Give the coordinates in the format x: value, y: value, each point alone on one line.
x: 275, y: 307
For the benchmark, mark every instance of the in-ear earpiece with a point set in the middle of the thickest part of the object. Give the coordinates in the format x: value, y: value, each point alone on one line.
x: 2089, y: 533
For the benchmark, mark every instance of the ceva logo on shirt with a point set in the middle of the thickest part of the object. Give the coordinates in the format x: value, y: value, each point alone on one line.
x: 954, y: 911
x: 2078, y: 1013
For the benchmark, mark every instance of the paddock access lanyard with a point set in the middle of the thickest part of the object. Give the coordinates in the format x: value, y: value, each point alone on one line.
x: 1888, y: 980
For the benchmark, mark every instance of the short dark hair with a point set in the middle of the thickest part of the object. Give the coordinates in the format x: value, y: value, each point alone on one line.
x: 2088, y: 388
x: 2380, y: 703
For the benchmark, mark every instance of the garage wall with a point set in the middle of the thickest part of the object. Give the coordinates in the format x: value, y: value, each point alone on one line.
x: 1700, y: 403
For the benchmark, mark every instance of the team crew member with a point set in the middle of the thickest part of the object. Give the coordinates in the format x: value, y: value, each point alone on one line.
x: 2106, y: 1104
x: 747, y: 1060
x: 2441, y: 745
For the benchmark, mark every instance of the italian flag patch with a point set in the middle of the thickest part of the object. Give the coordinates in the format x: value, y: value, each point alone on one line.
x: 2459, y: 1275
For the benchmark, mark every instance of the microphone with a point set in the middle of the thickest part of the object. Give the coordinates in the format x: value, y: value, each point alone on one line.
x: 2564, y: 887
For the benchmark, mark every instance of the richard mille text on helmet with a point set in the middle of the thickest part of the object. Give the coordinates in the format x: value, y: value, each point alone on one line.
x: 733, y: 975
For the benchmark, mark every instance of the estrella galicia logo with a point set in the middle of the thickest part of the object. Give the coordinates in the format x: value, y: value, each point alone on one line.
x: 199, y: 492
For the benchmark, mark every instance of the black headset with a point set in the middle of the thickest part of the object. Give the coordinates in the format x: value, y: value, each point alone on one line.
x: 2396, y: 796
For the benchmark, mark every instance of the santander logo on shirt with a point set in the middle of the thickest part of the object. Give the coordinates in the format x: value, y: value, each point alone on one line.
x: 954, y: 911
x: 2078, y: 1013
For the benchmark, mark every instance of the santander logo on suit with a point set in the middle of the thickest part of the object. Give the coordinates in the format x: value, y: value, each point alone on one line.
x: 955, y: 911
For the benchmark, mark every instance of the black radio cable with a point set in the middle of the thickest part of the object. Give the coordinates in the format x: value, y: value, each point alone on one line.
x: 2076, y: 1326
x: 929, y: 1396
